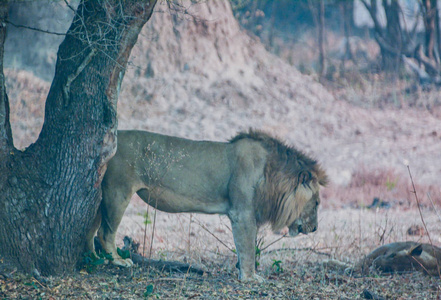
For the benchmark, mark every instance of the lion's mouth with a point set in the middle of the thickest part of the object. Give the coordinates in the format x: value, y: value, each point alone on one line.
x: 300, y: 228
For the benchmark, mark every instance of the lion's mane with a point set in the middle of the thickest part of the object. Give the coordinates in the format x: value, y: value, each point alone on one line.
x: 290, y: 180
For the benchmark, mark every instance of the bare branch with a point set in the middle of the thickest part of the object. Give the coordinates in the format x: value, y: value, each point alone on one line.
x: 273, y: 242
x: 33, y: 28
x: 314, y: 250
x: 70, y: 6
x: 372, y: 9
x: 218, y: 239
x: 422, y: 219
x: 418, y: 204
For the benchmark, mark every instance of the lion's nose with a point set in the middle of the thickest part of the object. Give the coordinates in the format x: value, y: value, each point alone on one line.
x: 300, y: 229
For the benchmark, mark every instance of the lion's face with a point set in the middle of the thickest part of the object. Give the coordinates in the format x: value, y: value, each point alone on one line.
x: 307, y: 221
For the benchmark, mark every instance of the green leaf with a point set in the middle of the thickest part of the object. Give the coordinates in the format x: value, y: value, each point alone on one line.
x: 148, y: 290
x: 123, y: 253
x: 277, y: 266
x: 98, y: 262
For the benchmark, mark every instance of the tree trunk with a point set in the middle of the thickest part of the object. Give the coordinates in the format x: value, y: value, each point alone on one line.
x: 391, y: 48
x: 347, y: 11
x: 49, y: 193
x: 429, y: 16
x: 321, y: 38
x: 318, y: 13
x: 391, y: 40
x: 438, y: 32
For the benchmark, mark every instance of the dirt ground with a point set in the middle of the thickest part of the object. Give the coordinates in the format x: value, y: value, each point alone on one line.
x: 296, y: 281
x: 292, y: 267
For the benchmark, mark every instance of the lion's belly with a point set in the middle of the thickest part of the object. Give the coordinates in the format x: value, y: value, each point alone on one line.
x: 170, y: 201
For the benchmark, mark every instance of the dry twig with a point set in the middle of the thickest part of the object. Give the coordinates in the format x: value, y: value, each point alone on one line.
x: 422, y: 219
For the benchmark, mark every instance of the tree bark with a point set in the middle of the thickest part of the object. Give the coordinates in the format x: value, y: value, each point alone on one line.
x: 428, y: 8
x: 49, y: 193
x: 438, y: 32
x: 317, y: 9
x: 390, y: 40
x: 391, y: 49
x: 347, y: 9
x: 321, y: 38
x: 6, y: 142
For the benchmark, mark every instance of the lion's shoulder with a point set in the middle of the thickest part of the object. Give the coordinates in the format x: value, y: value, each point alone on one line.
x: 282, y: 156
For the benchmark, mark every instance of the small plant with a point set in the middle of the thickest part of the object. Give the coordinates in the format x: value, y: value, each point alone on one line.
x: 90, y: 261
x: 276, y: 266
x: 258, y: 252
x: 31, y: 284
x: 149, y: 290
x: 123, y: 253
x: 147, y: 220
x: 391, y: 184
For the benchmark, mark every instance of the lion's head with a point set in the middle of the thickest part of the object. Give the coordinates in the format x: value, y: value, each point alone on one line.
x: 288, y: 194
x: 307, y: 221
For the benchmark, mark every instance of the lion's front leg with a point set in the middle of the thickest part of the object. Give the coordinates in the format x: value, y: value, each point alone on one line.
x: 244, y: 232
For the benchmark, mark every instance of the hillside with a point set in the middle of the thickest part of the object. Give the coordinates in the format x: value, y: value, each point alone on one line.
x: 205, y: 78
x: 198, y: 75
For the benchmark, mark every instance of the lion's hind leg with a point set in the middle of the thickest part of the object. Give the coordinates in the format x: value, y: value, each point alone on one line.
x: 90, y: 247
x: 113, y: 207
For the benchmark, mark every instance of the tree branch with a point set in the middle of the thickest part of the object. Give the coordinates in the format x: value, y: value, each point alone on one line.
x: 372, y: 9
x: 34, y: 28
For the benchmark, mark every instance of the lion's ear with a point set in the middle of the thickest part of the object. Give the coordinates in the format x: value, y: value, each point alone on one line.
x: 304, y: 177
x: 322, y: 177
x: 416, y: 250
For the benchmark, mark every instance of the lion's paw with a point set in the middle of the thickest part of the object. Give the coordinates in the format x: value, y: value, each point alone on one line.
x: 252, y: 278
x: 122, y: 262
x: 258, y: 278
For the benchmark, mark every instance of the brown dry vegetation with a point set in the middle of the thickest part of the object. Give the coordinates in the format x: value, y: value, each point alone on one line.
x: 208, y: 80
x: 297, y: 281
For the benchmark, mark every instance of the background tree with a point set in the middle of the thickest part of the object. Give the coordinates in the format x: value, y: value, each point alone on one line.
x: 318, y: 13
x: 50, y: 192
x: 347, y: 11
x: 428, y: 9
x: 391, y: 38
x: 397, y: 41
x: 429, y: 55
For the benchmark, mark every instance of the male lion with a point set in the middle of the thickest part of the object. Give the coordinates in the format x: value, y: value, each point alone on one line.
x: 253, y: 179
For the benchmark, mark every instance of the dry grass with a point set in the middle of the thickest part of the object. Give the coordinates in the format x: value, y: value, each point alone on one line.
x: 292, y: 266
x: 297, y: 281
x: 391, y: 187
x: 187, y: 238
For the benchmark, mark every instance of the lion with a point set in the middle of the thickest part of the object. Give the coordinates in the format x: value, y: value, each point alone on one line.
x: 401, y: 257
x: 253, y: 179
x: 398, y: 257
